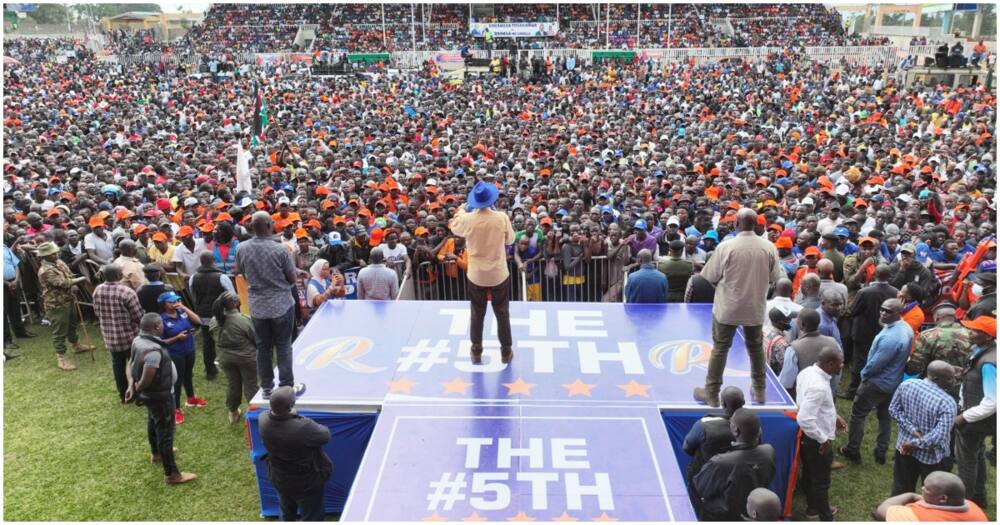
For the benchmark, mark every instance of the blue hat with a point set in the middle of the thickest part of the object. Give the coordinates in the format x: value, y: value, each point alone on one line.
x: 924, y: 194
x: 712, y: 234
x: 602, y: 195
x: 560, y: 212
x: 640, y: 224
x: 168, y: 297
x: 658, y: 173
x: 483, y: 195
x: 841, y: 231
x: 607, y: 209
x: 334, y: 238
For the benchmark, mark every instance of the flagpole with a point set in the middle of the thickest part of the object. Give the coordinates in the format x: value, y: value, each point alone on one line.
x: 385, y: 42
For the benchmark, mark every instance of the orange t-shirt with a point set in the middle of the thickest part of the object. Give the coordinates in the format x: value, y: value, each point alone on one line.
x: 920, y: 511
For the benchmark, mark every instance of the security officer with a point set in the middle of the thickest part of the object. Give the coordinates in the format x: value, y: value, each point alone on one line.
x: 57, y: 286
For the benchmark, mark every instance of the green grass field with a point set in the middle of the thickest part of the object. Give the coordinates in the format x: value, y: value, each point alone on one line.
x: 72, y: 453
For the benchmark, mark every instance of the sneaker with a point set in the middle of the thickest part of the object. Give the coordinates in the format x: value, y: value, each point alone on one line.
x: 10, y: 345
x: 64, y: 363
x: 266, y: 394
x: 178, y: 478
x: 702, y: 395
x: 195, y: 401
x: 178, y: 416
x: 300, y: 388
x: 234, y: 416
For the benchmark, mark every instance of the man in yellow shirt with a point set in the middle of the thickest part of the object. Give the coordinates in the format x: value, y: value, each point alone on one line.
x: 161, y: 251
x: 486, y: 234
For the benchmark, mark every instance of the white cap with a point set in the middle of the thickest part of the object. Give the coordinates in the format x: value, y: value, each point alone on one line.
x: 190, y: 201
x: 673, y: 220
x: 284, y: 200
x: 808, y: 200
x: 431, y: 182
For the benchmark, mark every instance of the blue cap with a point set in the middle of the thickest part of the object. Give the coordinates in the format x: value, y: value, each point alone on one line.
x: 640, y: 224
x: 711, y: 234
x: 168, y: 297
x: 841, y: 231
x: 607, y: 209
x: 658, y: 173
x: 560, y: 212
x: 924, y: 194
x: 603, y: 196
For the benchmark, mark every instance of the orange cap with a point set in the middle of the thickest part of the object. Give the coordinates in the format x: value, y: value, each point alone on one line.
x: 783, y: 242
x: 207, y: 227
x: 983, y: 323
x: 340, y: 219
x: 420, y: 231
x: 96, y: 222
x: 160, y: 237
x: 301, y: 233
x: 123, y: 214
x: 376, y: 237
x: 313, y: 223
x: 814, y: 251
x: 139, y: 228
x: 185, y: 231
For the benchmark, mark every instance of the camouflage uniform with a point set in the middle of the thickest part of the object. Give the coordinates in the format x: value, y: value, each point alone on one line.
x: 948, y: 341
x: 55, y: 280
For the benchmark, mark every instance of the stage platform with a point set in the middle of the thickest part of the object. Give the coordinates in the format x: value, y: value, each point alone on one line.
x: 356, y: 355
x: 585, y: 423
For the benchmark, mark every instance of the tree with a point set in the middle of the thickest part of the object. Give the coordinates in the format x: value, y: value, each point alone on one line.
x: 96, y: 12
x: 50, y: 14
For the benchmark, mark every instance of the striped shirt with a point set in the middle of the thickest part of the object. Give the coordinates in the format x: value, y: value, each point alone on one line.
x: 921, y: 406
x: 118, y: 311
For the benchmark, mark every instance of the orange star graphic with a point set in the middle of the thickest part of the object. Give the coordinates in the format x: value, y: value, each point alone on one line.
x: 519, y: 387
x: 565, y: 517
x: 579, y: 388
x: 474, y: 517
x: 435, y: 517
x: 455, y: 386
x: 402, y: 385
x: 635, y: 389
x: 521, y: 516
x: 604, y: 517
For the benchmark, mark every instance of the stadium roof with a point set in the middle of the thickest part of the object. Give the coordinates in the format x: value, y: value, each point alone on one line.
x: 134, y: 15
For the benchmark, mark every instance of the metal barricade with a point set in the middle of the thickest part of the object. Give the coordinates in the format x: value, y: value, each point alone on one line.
x: 447, y: 281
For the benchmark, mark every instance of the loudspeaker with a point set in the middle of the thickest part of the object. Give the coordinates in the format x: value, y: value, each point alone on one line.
x: 941, y: 59
x: 956, y: 61
x: 928, y: 62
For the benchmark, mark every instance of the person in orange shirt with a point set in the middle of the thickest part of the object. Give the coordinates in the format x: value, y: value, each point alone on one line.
x: 910, y: 295
x: 942, y: 498
x: 978, y: 53
x: 811, y: 256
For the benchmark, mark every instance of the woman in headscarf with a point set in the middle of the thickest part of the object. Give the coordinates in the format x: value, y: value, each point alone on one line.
x: 236, y: 348
x: 324, y: 282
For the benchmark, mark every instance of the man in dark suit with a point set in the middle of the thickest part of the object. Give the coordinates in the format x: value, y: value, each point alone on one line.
x: 727, y: 479
x: 296, y: 463
x: 864, y: 316
x: 711, y: 434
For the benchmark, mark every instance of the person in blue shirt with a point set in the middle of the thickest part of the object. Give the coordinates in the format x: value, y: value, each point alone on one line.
x: 12, y: 307
x: 844, y: 241
x: 179, y: 324
x: 647, y: 284
x: 879, y: 378
x: 948, y: 254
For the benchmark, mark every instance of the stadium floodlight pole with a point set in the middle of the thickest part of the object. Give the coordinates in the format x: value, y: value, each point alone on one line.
x: 607, y: 27
x: 638, y: 22
x: 670, y: 20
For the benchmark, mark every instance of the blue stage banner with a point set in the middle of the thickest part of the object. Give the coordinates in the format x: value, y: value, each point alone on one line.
x: 362, y: 353
x: 779, y: 431
x: 351, y: 282
x: 349, y: 435
x: 518, y: 463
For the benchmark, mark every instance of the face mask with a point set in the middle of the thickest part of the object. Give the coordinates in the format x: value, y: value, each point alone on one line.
x: 977, y: 290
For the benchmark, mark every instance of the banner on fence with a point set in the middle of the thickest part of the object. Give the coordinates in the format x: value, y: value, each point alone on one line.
x: 509, y: 30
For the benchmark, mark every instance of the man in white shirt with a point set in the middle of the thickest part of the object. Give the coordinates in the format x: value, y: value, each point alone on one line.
x: 99, y: 245
x: 819, y: 422
x: 831, y: 221
x: 188, y: 253
x: 782, y: 300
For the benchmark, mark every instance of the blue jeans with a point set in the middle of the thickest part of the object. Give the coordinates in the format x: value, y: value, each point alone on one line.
x: 275, y: 333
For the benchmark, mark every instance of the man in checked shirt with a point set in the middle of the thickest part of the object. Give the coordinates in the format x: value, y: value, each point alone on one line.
x: 118, y: 312
x: 925, y: 413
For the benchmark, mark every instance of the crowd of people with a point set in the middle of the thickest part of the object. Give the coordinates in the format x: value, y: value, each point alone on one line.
x: 144, y: 191
x: 271, y: 28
